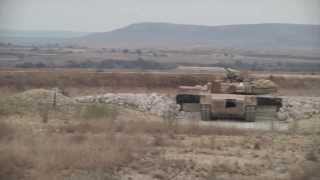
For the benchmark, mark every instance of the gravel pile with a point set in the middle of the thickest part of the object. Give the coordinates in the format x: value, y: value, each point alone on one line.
x: 296, y: 108
x: 154, y: 103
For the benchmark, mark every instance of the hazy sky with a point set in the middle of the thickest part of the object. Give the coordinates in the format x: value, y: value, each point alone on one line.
x: 104, y: 15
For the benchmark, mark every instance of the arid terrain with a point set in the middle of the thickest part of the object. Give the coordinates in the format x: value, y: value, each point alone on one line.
x: 89, y: 82
x: 87, y: 113
x: 82, y: 124
x: 159, y: 90
x: 146, y: 59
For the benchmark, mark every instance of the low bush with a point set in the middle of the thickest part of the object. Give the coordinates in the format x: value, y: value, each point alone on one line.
x: 99, y: 111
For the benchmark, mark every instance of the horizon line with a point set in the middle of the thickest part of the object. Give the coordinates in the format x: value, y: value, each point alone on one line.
x: 150, y: 22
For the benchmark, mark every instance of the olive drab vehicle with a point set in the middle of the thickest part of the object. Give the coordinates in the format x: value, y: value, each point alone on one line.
x: 234, y: 98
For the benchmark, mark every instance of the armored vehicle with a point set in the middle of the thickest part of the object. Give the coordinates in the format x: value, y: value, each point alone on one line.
x: 251, y: 100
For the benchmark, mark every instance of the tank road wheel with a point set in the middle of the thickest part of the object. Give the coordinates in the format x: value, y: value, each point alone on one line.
x: 250, y: 113
x: 205, y: 111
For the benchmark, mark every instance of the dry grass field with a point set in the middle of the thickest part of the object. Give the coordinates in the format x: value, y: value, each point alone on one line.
x: 136, y: 146
x: 77, y: 81
x: 71, y: 141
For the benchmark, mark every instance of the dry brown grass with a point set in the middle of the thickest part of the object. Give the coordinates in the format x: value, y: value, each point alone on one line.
x: 70, y: 78
x: 101, y: 147
x: 41, y: 157
x: 154, y: 128
x: 306, y: 171
x: 65, y: 79
x: 102, y: 153
x: 6, y: 131
x: 14, y: 159
x: 14, y: 162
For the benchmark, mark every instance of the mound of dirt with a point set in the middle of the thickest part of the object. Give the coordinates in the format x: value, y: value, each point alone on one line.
x: 36, y: 100
x: 154, y: 103
x: 298, y: 108
x: 43, y: 96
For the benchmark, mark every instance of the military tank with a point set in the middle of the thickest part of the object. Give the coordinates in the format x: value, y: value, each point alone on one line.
x: 234, y: 98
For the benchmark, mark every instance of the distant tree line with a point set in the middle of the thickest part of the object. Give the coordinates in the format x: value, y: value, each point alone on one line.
x: 277, y: 66
x: 122, y: 64
x: 106, y: 64
x: 154, y: 65
x: 31, y: 65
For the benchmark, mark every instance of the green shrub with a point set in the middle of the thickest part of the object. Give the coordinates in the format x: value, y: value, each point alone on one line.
x: 12, y: 106
x: 99, y: 111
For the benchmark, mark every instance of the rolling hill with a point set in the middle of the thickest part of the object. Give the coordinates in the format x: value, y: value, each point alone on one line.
x: 232, y: 36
